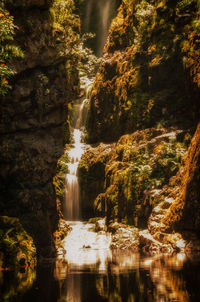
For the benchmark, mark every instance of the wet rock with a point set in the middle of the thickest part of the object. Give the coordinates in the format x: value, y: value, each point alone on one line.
x: 124, y: 237
x: 100, y: 225
x: 86, y: 247
x: 16, y: 246
x: 149, y: 245
x: 132, y: 89
x: 91, y: 174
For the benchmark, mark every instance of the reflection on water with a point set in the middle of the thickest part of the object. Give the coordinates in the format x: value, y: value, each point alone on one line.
x: 86, y: 248
x: 16, y: 282
x: 90, y: 272
x: 137, y: 279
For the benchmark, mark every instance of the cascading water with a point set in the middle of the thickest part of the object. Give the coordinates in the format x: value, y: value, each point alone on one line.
x: 96, y: 19
x: 72, y: 198
x: 72, y: 209
x: 84, y: 247
x: 104, y: 9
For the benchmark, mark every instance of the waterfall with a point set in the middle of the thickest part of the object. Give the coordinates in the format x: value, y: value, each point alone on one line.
x: 72, y: 209
x: 72, y: 198
x: 96, y: 19
x: 104, y: 11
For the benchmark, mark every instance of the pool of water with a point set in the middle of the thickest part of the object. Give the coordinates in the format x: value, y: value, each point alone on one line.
x: 90, y: 271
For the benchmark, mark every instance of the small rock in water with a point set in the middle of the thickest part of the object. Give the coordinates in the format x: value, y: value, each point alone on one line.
x: 100, y: 225
x: 86, y: 246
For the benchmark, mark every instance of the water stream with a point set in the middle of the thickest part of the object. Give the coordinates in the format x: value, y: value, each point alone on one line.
x: 72, y: 209
x: 90, y: 271
x: 72, y: 198
x: 96, y: 19
x: 83, y: 245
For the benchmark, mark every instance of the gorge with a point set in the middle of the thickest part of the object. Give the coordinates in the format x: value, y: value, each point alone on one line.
x: 108, y: 207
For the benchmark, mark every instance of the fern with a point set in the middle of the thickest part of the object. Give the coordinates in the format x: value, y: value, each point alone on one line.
x: 8, y: 50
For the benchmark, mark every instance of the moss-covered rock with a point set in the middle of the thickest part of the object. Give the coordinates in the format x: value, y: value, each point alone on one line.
x: 141, y: 165
x: 124, y: 181
x: 91, y: 175
x: 149, y: 74
x: 34, y: 114
x: 184, y: 213
x: 14, y: 283
x: 16, y: 246
x: 59, y: 179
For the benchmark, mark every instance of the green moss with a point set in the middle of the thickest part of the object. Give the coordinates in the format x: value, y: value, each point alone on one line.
x: 133, y: 89
x: 91, y: 175
x: 184, y: 213
x: 132, y: 174
x: 8, y: 50
x: 16, y: 245
x: 59, y: 179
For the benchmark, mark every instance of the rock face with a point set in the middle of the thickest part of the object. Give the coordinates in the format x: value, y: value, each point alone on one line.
x: 149, y: 74
x: 125, y: 180
x: 16, y: 246
x: 148, y: 81
x: 184, y: 213
x: 91, y: 175
x: 33, y: 115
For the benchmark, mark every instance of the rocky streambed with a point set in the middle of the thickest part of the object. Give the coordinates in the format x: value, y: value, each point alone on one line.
x: 130, y: 238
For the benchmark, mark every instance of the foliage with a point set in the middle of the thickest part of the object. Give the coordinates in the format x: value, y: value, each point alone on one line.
x: 88, y: 63
x: 15, y: 243
x: 148, y: 41
x: 145, y: 18
x: 59, y: 179
x: 67, y: 25
x: 64, y: 18
x: 184, y: 5
x: 190, y: 44
x: 8, y: 50
x: 140, y: 163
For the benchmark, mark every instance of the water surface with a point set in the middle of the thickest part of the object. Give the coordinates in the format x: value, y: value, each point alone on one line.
x: 91, y: 272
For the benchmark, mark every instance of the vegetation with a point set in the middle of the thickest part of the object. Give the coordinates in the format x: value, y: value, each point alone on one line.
x: 59, y: 179
x: 16, y: 246
x: 147, y: 42
x: 134, y: 173
x: 183, y: 215
x: 8, y: 50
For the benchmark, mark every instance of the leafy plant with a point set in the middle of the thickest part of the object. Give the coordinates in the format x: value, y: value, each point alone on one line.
x: 133, y: 172
x: 8, y: 50
x: 67, y: 27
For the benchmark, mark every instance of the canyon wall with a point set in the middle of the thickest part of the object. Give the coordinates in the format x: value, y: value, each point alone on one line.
x: 149, y: 74
x: 147, y: 86
x: 33, y: 115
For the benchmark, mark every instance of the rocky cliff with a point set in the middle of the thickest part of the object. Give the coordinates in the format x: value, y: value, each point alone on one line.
x: 184, y: 213
x: 149, y: 74
x: 33, y: 115
x: 148, y: 85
